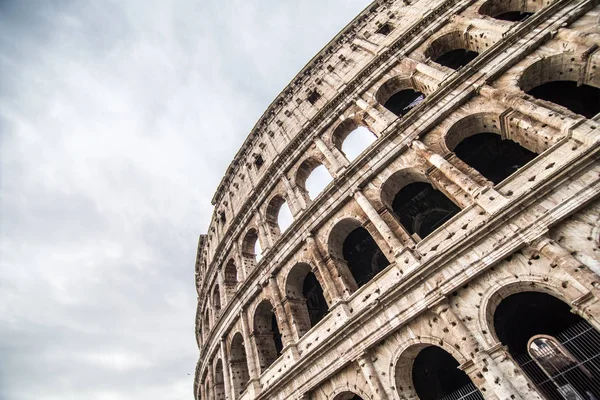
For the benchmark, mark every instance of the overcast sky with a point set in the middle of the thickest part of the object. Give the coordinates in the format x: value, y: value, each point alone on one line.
x: 117, y: 121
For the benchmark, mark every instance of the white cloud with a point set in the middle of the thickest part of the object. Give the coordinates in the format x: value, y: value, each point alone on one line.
x: 117, y: 121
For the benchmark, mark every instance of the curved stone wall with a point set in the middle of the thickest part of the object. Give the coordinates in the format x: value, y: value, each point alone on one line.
x: 480, y: 183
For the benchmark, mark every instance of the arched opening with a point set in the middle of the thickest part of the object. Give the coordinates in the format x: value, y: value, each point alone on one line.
x: 399, y: 96
x: 312, y: 177
x: 352, y: 245
x: 206, y: 324
x: 219, y: 381
x: 352, y: 139
x: 278, y: 215
x: 239, y: 365
x: 347, y: 396
x: 216, y: 301
x: 496, y: 159
x: 304, y: 295
x: 567, y: 361
x: 418, y: 206
x: 230, y: 278
x: 436, y: 376
x: 267, y: 335
x: 451, y: 50
x: 251, y: 250
x: 511, y: 10
x: 557, y: 79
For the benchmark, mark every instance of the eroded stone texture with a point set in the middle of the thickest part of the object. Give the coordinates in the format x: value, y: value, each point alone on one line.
x: 470, y: 225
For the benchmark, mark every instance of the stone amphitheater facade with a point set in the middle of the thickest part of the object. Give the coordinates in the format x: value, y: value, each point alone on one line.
x: 440, y: 261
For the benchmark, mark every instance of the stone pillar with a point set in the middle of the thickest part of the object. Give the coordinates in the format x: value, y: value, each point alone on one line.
x: 330, y: 283
x: 380, y: 119
x: 492, y: 374
x: 467, y: 184
x: 296, y: 204
x: 287, y: 338
x: 222, y: 291
x: 372, y: 376
x: 382, y: 227
x: 334, y: 163
x: 253, y: 365
x: 266, y: 241
x: 229, y: 391
x: 211, y: 382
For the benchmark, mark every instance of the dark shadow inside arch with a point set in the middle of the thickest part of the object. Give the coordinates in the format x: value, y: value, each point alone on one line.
x: 494, y: 158
x: 422, y: 209
x: 403, y: 101
x: 348, y: 396
x: 514, y: 16
x: 315, y: 301
x: 267, y: 335
x: 456, y: 58
x: 365, y: 259
x: 582, y: 99
x: 238, y: 362
x: 276, y: 335
x: 521, y: 316
x: 436, y: 375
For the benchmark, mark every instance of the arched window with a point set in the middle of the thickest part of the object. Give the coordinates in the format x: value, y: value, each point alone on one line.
x: 569, y: 362
x: 312, y: 177
x: 451, y: 50
x: 556, y: 79
x: 219, y: 380
x: 305, y: 296
x: 511, y: 10
x: 347, y: 396
x: 279, y: 216
x: 354, y: 248
x: 418, y: 206
x: 239, y: 364
x: 230, y: 278
x: 267, y: 335
x: 436, y: 375
x: 352, y: 139
x: 399, y: 96
x: 251, y: 250
x: 216, y: 301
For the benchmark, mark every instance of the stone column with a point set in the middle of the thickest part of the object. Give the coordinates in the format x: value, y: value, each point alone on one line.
x: 329, y: 282
x: 380, y: 119
x: 382, y: 227
x: 467, y: 184
x: 222, y: 291
x: 335, y: 164
x: 372, y: 376
x: 211, y: 382
x: 264, y: 235
x: 282, y: 317
x: 253, y: 365
x: 229, y: 391
x: 492, y: 374
x: 296, y: 204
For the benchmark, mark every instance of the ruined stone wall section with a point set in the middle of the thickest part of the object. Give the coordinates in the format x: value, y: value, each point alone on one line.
x: 533, y: 231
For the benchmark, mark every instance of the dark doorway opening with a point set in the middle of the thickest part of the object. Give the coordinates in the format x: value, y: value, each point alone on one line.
x: 514, y: 16
x: 315, y: 301
x: 435, y: 375
x: 568, y: 360
x: 456, y: 58
x: 276, y: 335
x: 403, y: 101
x: 422, y: 209
x: 583, y: 99
x: 365, y: 259
x: 494, y: 158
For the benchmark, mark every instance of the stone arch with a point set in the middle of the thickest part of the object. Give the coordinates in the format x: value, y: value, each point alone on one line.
x: 345, y: 138
x: 561, y: 79
x: 267, y: 334
x: 355, y: 251
x: 478, y: 140
x: 312, y: 176
x: 216, y: 301
x: 399, y: 95
x: 347, y: 394
x: 230, y: 278
x: 304, y: 297
x: 511, y: 10
x: 239, y: 364
x: 527, y: 314
x: 219, y: 385
x: 277, y: 205
x: 406, y: 355
x: 417, y: 205
x: 250, y: 249
x: 452, y: 50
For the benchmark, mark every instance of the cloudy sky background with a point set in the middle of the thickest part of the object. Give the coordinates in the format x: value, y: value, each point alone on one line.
x: 117, y: 121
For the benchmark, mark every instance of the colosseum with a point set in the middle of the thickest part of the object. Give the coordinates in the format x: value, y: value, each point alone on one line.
x: 453, y: 251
